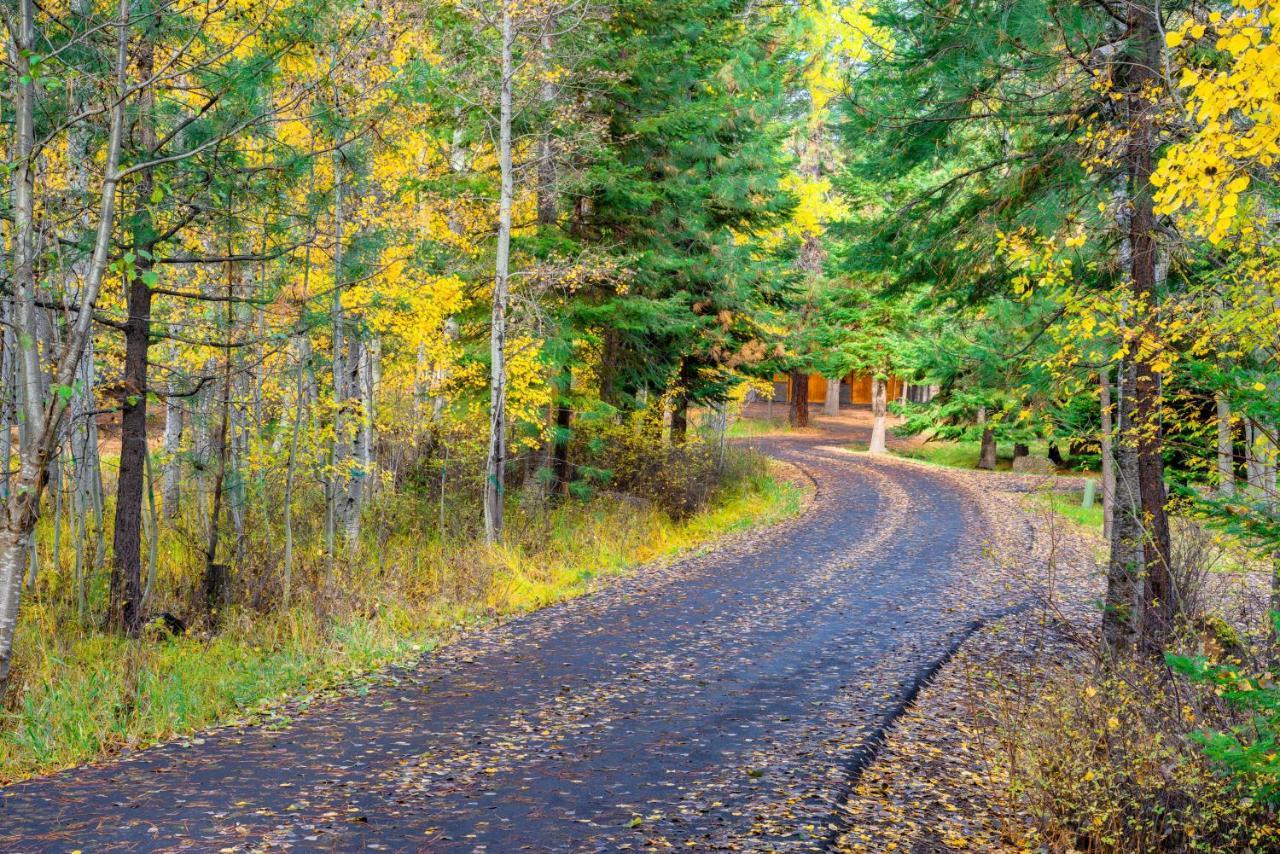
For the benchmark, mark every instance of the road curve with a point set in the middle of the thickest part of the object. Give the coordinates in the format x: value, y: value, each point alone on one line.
x: 717, y: 702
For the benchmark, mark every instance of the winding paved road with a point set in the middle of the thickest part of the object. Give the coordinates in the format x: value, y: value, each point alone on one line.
x: 714, y: 703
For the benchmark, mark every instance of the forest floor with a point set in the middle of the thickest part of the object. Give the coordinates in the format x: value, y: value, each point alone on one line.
x: 749, y: 697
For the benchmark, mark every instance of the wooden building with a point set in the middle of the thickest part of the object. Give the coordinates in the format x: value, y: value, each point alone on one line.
x: 855, y: 390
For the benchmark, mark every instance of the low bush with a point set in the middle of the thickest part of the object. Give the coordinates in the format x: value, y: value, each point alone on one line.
x: 421, y: 573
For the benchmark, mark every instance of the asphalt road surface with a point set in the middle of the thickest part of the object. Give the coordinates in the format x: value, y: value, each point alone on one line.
x: 718, y: 703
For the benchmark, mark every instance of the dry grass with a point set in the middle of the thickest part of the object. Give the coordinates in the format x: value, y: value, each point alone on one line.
x: 80, y: 694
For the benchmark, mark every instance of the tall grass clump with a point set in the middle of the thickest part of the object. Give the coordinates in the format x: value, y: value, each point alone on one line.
x: 421, y: 572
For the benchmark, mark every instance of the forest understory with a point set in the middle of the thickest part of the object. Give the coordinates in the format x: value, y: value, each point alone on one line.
x: 422, y: 575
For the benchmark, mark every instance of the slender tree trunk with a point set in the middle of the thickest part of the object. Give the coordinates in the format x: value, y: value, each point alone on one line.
x: 8, y: 384
x: 561, y: 436
x: 339, y: 457
x: 124, y: 611
x: 215, y: 572
x: 987, y: 451
x: 799, y: 399
x: 1159, y: 597
x: 1119, y: 618
x: 831, y: 406
x: 495, y: 464
x: 174, y: 424
x: 680, y: 421
x: 86, y: 468
x: 1226, y: 448
x: 23, y: 506
x: 290, y: 470
x: 548, y: 197
x: 610, y: 353
x: 879, y: 412
x: 152, y: 531
x: 1108, y: 453
x: 685, y: 379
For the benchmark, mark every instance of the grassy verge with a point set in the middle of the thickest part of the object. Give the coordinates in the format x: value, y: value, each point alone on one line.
x: 964, y: 455
x: 82, y: 694
x: 745, y: 428
x: 1069, y: 507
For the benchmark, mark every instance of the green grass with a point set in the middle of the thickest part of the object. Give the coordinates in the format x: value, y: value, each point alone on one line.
x: 959, y: 455
x: 965, y: 454
x: 745, y: 428
x: 80, y: 694
x: 1069, y: 507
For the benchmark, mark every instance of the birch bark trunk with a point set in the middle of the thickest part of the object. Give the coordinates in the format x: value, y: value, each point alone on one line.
x: 1108, y: 453
x: 495, y: 464
x: 23, y: 507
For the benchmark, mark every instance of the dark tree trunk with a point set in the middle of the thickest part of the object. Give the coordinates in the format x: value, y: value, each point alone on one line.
x: 680, y: 420
x: 124, y: 610
x: 1020, y: 449
x: 1159, y: 605
x: 609, y: 353
x: 987, y: 456
x: 1119, y: 617
x: 680, y: 411
x: 560, y: 439
x: 1159, y: 600
x: 1055, y: 455
x: 799, y: 399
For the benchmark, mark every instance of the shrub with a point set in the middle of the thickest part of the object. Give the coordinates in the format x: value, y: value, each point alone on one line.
x: 1105, y: 760
x: 635, y: 458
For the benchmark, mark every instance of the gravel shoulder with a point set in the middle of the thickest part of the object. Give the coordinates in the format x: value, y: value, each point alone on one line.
x: 933, y: 785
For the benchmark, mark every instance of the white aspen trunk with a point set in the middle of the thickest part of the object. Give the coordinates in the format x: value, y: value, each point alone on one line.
x: 22, y: 189
x: 441, y: 374
x: 8, y: 383
x: 495, y: 464
x: 373, y: 382
x: 291, y: 468
x: 450, y: 331
x: 83, y: 436
x: 1226, y: 448
x: 152, y: 532
x: 23, y: 506
x: 171, y: 478
x: 1108, y: 453
x: 356, y: 434
x: 879, y: 411
x: 79, y: 568
x: 1255, y: 466
x: 831, y: 406
x: 339, y: 463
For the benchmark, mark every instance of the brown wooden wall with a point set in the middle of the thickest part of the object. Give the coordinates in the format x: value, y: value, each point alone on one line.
x: 859, y: 386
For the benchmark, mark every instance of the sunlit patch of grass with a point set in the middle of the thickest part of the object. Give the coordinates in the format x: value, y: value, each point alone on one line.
x: 1070, y: 506
x: 960, y: 455
x: 79, y: 693
x: 964, y: 454
x: 745, y: 428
